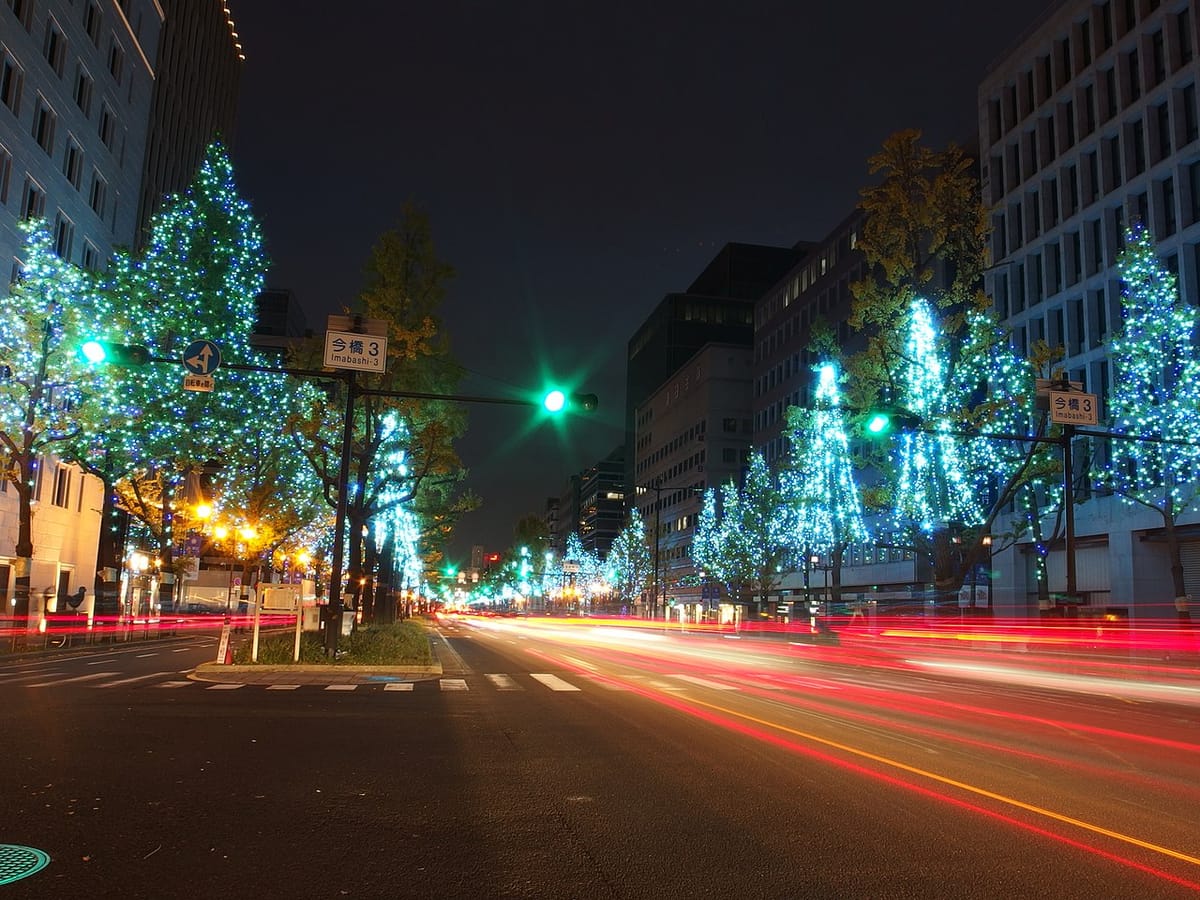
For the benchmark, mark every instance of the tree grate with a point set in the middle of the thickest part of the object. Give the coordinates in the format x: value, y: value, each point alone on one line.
x: 17, y: 862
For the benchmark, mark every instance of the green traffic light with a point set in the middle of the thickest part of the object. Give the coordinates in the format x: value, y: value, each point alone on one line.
x: 104, y: 353
x: 879, y: 423
x: 554, y: 401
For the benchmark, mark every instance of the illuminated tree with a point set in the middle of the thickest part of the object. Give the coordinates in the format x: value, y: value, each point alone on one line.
x: 741, y: 538
x: 629, y: 566
x: 41, y: 409
x: 1155, y: 396
x: 404, y: 286
x: 818, y: 490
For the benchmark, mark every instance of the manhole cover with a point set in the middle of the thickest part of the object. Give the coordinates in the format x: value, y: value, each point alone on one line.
x: 18, y: 862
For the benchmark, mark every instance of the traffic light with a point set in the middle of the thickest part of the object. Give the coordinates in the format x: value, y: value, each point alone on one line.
x: 885, y: 420
x: 108, y: 353
x: 556, y: 401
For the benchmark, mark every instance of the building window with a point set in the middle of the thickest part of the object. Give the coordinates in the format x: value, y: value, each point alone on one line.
x: 83, y: 90
x: 33, y: 200
x: 116, y: 60
x: 1089, y: 109
x: 5, y: 173
x: 21, y: 9
x: 1183, y: 23
x: 1110, y: 92
x: 10, y: 83
x: 91, y: 21
x: 1137, y: 135
x: 62, y: 486
x: 55, y: 47
x: 90, y: 257
x: 43, y: 126
x: 1162, y: 116
x: 107, y: 126
x: 64, y: 236
x: 1170, y: 221
x: 73, y: 162
x: 98, y: 193
x: 1190, y: 131
x: 1158, y: 57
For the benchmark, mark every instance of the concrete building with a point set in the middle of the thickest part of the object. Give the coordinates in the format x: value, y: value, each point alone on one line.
x: 692, y: 433
x: 717, y: 306
x: 602, y: 502
x: 1089, y: 123
x: 105, y: 106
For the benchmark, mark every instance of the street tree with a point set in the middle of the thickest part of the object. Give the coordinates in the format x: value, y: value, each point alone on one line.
x: 41, y: 406
x: 629, y: 566
x: 402, y: 446
x: 818, y: 490
x: 1155, y: 398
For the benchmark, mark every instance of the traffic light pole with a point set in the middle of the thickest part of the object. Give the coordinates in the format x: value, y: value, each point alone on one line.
x: 333, y: 616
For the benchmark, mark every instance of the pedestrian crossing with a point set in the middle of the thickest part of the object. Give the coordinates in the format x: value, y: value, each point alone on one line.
x: 568, y: 683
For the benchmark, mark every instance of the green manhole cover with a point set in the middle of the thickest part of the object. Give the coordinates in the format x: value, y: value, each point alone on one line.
x: 18, y: 862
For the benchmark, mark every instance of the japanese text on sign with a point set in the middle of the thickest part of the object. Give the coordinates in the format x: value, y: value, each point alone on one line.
x: 348, y: 350
x: 1073, y: 408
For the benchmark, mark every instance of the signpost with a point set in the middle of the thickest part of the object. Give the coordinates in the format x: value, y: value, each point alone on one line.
x: 1073, y: 408
x: 201, y: 359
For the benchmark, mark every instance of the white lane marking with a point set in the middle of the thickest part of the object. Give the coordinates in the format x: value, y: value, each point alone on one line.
x: 553, y: 682
x: 607, y: 685
x: 666, y: 686
x: 704, y: 682
x: 146, y: 655
x: 504, y: 683
x: 109, y: 684
x: 224, y: 687
x: 28, y: 676
x: 581, y: 663
x: 282, y: 687
x: 99, y: 662
x: 453, y: 684
x: 398, y: 686
x: 181, y: 650
x: 341, y: 687
x: 91, y: 677
x: 174, y: 684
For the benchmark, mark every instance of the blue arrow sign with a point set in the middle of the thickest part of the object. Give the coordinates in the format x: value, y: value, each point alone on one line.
x: 202, y: 357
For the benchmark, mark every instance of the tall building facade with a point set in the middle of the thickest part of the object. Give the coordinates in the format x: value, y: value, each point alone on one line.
x: 105, y: 107
x: 602, y: 502
x: 692, y: 433
x: 76, y: 89
x: 1089, y: 123
x: 717, y: 306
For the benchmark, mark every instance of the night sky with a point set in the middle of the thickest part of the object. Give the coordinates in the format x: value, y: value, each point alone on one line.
x: 578, y: 161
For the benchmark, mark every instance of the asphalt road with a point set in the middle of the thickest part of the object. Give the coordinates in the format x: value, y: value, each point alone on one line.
x: 560, y: 761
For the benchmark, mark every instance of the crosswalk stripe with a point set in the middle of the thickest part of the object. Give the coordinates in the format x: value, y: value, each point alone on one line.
x: 704, y: 682
x: 607, y: 685
x: 282, y: 687
x: 341, y: 687
x: 553, y: 682
x: 121, y: 681
x: 174, y: 684
x: 91, y: 677
x: 398, y: 686
x: 453, y: 684
x: 504, y: 682
x: 224, y: 687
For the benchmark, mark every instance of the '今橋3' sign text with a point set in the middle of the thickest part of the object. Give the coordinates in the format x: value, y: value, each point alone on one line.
x: 362, y: 352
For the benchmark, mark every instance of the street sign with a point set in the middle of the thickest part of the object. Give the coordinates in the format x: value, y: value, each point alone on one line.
x: 1073, y: 408
x: 201, y: 358
x: 570, y: 568
x: 350, y: 350
x: 198, y: 383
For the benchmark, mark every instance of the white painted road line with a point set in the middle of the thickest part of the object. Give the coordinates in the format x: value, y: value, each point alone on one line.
x: 398, y: 686
x: 224, y: 687
x: 453, y: 684
x: 341, y: 687
x: 91, y: 677
x: 283, y: 687
x: 553, y: 682
x: 504, y: 683
x: 704, y: 682
x: 174, y: 684
x: 119, y: 681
